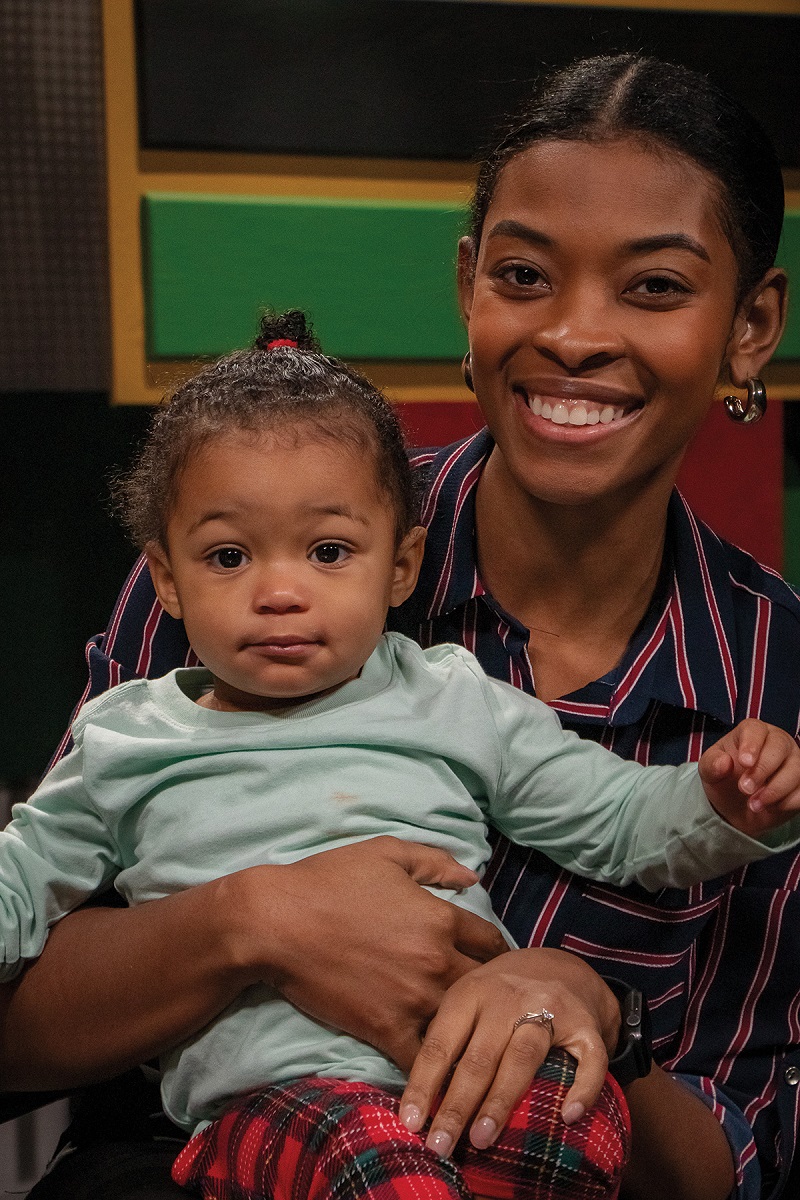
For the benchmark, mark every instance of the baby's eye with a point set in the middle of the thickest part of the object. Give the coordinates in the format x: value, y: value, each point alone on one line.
x: 228, y: 558
x: 329, y: 554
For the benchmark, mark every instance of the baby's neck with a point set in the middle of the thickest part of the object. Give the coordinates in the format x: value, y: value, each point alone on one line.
x: 221, y: 698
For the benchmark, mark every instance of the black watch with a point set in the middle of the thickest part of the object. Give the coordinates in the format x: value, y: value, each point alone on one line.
x: 634, y: 1054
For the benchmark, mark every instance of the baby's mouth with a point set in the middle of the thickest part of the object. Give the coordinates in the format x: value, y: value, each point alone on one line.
x: 574, y: 410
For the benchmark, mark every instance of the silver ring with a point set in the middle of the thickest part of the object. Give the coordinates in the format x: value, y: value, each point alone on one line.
x: 543, y: 1017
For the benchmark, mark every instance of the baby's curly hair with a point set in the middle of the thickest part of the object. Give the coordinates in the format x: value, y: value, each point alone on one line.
x: 283, y: 383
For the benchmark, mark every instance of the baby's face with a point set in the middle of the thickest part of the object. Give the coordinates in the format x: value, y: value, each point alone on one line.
x: 281, y: 561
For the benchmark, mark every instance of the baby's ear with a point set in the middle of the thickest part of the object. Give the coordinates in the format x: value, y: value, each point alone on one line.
x: 163, y: 579
x: 407, y: 563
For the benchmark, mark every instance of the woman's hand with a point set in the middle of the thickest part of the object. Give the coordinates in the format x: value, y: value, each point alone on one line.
x: 350, y: 937
x: 494, y: 1063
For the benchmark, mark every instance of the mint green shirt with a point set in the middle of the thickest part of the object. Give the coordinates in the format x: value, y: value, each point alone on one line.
x: 161, y: 794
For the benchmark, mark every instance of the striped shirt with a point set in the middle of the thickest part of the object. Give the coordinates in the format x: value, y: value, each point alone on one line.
x: 719, y: 963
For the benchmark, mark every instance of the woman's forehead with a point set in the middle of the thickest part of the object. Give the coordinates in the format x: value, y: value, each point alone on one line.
x: 624, y: 188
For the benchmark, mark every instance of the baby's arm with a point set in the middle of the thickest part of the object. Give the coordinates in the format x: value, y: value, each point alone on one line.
x: 751, y: 776
x: 55, y: 853
x: 619, y: 822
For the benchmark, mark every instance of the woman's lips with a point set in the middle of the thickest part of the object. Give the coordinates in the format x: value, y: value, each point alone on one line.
x: 564, y: 405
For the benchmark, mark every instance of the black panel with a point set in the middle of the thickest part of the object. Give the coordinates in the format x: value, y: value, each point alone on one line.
x: 417, y: 78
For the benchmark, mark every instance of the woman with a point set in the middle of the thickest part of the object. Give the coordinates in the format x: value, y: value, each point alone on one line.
x: 619, y: 266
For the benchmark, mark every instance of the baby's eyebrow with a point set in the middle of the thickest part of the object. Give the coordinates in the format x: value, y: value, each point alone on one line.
x: 222, y: 514
x: 337, y: 510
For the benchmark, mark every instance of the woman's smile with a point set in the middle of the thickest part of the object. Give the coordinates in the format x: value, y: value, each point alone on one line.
x: 575, y: 404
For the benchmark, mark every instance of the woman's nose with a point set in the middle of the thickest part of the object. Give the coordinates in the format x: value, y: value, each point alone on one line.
x: 579, y: 330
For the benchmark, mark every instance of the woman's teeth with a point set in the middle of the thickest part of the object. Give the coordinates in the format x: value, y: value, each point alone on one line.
x: 575, y: 413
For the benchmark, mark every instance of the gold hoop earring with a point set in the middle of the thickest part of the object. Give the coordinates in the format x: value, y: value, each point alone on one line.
x: 466, y: 371
x: 754, y: 407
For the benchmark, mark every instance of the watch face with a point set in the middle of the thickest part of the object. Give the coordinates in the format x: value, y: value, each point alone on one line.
x: 633, y: 1058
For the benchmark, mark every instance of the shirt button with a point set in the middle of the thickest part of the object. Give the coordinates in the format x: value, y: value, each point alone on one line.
x: 792, y: 1076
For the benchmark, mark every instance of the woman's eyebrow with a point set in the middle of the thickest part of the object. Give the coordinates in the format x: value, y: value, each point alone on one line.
x: 516, y: 229
x: 667, y: 241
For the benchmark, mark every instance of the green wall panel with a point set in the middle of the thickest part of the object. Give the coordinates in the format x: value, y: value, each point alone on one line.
x: 378, y: 278
x: 789, y: 257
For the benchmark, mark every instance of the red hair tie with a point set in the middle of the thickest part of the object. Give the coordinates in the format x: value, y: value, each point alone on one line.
x: 281, y: 342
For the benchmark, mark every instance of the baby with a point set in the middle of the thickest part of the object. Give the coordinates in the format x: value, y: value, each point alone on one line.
x: 276, y: 507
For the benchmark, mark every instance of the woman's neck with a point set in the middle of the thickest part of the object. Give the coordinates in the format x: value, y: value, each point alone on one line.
x: 580, y: 577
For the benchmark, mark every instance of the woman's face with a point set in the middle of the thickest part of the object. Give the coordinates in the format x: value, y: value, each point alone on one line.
x: 600, y: 308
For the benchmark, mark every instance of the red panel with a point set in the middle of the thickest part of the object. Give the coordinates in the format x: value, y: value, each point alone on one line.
x: 732, y: 474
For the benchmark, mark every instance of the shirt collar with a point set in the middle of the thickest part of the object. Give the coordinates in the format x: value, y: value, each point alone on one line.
x: 684, y: 651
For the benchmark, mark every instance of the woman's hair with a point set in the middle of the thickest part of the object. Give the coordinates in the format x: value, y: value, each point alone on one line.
x: 282, y: 385
x: 666, y: 105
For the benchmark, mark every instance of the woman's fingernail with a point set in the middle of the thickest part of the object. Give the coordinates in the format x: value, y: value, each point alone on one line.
x: 440, y: 1143
x: 483, y: 1133
x: 573, y: 1112
x: 747, y: 785
x: 411, y: 1117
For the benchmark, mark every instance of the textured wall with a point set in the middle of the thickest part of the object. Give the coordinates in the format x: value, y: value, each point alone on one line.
x: 54, y: 293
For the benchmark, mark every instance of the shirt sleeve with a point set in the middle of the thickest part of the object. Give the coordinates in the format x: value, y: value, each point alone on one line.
x: 55, y: 853
x: 604, y: 817
x: 141, y: 641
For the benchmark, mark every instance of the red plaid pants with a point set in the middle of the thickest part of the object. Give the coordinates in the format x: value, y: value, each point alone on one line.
x: 326, y: 1139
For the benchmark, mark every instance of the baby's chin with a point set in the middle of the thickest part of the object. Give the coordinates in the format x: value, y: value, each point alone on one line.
x: 226, y: 697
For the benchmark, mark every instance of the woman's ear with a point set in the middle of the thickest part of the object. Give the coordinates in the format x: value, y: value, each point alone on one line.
x: 466, y: 276
x: 757, y: 328
x: 163, y: 579
x: 407, y: 563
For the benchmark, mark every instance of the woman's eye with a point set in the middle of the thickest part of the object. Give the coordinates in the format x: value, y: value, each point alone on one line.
x: 522, y: 276
x: 329, y: 554
x: 659, y: 285
x: 228, y: 558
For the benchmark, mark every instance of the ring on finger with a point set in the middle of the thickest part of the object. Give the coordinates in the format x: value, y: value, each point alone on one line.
x: 542, y: 1017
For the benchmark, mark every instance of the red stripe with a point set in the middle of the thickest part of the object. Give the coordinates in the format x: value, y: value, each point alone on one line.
x: 573, y: 708
x: 634, y: 672
x: 747, y: 1019
x: 711, y: 600
x: 549, y: 910
x: 681, y: 658
x: 432, y: 497
x: 619, y: 902
x: 654, y: 1002
x: 697, y: 998
x: 146, y: 651
x: 465, y: 487
x: 613, y: 954
x: 758, y: 667
x: 116, y: 616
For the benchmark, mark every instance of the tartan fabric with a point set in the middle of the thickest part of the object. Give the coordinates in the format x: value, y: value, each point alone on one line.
x: 320, y: 1139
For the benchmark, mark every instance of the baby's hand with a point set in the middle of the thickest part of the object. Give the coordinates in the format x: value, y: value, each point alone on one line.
x: 484, y: 1064
x: 752, y: 777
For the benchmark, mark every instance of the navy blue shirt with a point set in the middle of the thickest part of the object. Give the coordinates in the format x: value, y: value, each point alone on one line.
x: 719, y: 963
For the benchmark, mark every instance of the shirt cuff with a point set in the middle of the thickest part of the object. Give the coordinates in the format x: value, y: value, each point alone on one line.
x: 737, y: 1130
